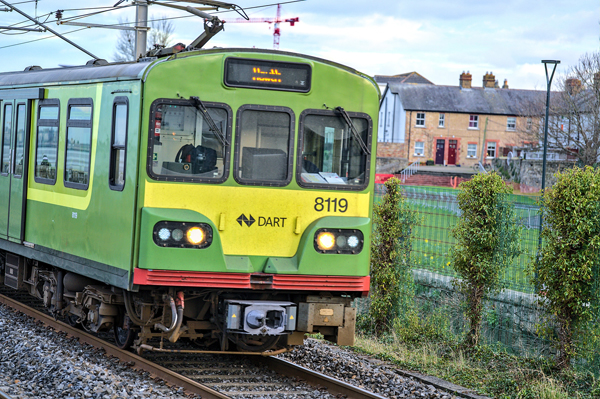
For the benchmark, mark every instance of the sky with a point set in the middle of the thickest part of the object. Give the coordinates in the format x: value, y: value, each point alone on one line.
x: 439, y: 39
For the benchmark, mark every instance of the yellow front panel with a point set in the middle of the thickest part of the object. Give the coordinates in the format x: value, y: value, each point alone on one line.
x: 280, y: 215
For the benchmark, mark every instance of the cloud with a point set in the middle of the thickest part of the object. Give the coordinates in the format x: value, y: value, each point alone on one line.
x: 436, y: 38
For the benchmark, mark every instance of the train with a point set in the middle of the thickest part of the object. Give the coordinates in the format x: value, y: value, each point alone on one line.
x: 220, y: 197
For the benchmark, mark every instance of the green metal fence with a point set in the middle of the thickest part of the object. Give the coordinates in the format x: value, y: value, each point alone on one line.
x: 512, y: 317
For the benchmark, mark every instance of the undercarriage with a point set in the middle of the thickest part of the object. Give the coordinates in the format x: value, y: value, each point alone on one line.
x: 210, y: 320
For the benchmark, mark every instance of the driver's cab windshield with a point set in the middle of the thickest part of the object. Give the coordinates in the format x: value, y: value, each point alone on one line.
x: 331, y: 154
x: 184, y: 146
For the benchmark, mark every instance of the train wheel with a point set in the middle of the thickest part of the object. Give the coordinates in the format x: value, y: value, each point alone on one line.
x: 73, y: 320
x: 251, y: 343
x: 124, y: 337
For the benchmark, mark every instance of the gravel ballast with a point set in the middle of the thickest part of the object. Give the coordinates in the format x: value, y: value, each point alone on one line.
x: 38, y: 362
x: 359, y: 371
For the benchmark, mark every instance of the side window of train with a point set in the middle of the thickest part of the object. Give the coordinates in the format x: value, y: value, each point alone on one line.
x: 6, y: 130
x: 46, y: 145
x: 79, y: 143
x: 118, y: 147
x: 20, y: 141
x: 264, y: 145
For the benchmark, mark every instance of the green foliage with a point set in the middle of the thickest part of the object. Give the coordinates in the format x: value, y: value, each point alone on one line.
x: 568, y: 266
x: 487, y: 241
x: 392, y: 288
x: 415, y: 328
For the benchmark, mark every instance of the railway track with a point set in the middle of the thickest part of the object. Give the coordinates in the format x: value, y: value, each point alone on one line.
x: 209, y: 376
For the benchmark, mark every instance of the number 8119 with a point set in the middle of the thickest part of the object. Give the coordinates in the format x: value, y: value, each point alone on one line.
x: 331, y: 204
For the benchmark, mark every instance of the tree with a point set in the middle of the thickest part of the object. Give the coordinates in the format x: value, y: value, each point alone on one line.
x: 574, y: 121
x: 569, y: 265
x: 160, y: 34
x: 487, y: 240
x: 125, y: 50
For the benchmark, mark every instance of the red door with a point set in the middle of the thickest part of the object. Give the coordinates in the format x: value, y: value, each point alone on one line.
x: 452, y: 144
x: 439, y: 152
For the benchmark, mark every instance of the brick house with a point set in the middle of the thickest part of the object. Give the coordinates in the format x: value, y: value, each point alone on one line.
x: 452, y: 125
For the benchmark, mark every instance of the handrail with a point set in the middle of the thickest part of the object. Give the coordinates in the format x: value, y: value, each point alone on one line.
x: 481, y: 168
x: 409, y: 171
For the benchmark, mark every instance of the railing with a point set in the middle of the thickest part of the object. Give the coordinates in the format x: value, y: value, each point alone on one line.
x: 481, y: 168
x: 409, y: 171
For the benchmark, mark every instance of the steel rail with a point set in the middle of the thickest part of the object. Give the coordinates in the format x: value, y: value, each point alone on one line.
x: 335, y: 387
x: 137, y: 362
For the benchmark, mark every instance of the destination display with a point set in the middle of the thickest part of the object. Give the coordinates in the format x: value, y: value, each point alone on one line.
x: 272, y: 75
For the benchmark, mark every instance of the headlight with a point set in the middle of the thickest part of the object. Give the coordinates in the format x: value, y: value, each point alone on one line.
x: 338, y: 241
x: 195, y: 235
x: 182, y: 234
x: 325, y: 240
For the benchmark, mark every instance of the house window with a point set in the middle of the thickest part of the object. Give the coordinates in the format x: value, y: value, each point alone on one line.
x: 442, y: 120
x: 419, y: 148
x: 491, y: 149
x: 420, y: 119
x: 473, y: 121
x: 511, y: 123
x: 529, y: 124
x: 471, y: 150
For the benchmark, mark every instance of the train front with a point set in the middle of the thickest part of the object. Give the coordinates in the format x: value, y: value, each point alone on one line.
x: 255, y: 199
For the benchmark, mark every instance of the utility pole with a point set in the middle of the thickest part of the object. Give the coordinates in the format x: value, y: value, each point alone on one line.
x: 141, y: 25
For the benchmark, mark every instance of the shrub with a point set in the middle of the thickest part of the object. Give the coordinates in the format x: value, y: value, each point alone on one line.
x: 567, y: 270
x: 487, y: 240
x: 392, y: 287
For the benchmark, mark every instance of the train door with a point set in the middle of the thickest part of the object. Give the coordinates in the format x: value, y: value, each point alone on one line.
x: 452, y: 152
x: 14, y: 160
x: 439, y: 152
x: 15, y: 116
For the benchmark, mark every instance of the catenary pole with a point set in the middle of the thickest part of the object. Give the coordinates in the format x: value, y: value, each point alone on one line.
x: 141, y: 23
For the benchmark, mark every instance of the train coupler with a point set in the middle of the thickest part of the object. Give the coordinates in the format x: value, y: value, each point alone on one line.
x: 260, y: 317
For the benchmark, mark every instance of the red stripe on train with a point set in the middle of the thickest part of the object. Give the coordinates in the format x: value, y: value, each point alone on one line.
x: 300, y: 282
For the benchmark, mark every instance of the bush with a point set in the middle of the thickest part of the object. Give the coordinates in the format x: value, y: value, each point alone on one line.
x: 392, y: 287
x: 487, y: 240
x: 567, y: 271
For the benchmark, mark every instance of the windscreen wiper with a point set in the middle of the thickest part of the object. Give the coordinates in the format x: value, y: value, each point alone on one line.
x: 212, y: 126
x: 353, y: 129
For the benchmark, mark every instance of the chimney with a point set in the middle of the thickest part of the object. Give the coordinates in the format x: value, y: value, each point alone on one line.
x: 505, y: 85
x: 573, y: 86
x: 465, y: 80
x: 489, y: 80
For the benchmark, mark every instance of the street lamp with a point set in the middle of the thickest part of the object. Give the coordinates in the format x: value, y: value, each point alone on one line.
x: 548, y: 84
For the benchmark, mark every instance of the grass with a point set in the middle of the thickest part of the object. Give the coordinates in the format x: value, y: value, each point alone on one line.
x: 489, y: 372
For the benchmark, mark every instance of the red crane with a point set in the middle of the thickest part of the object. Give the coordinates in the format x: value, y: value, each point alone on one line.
x: 276, y: 21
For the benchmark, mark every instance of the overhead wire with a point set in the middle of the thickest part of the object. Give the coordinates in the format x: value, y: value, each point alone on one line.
x: 16, y: 24
x: 123, y: 23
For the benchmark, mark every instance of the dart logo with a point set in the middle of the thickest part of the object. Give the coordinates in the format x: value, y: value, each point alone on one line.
x: 243, y: 219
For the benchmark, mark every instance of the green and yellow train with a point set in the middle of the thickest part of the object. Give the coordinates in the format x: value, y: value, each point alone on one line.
x: 219, y: 196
